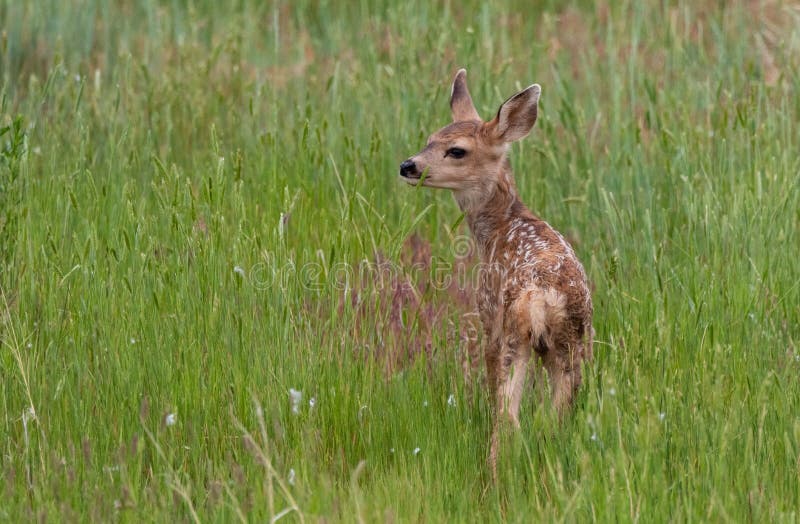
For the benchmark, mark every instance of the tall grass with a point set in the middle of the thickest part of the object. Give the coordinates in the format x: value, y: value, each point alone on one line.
x: 200, y: 212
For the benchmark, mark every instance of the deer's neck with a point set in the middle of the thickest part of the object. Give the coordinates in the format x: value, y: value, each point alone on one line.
x: 489, y: 212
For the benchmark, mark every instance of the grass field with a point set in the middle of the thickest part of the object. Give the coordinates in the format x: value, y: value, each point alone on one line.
x: 219, y: 303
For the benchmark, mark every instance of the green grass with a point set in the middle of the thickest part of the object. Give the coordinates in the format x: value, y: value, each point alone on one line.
x: 159, y: 146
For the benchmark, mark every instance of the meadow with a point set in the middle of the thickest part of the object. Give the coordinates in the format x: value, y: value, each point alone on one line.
x: 219, y: 303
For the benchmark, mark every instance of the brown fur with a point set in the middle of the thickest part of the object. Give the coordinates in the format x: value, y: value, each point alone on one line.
x: 533, y: 294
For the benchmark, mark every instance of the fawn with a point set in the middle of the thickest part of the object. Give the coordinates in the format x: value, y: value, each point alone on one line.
x: 532, y: 293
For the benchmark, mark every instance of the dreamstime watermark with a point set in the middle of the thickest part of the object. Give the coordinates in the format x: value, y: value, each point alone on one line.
x: 458, y: 272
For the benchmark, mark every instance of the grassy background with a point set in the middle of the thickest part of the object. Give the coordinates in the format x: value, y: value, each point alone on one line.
x: 187, y: 193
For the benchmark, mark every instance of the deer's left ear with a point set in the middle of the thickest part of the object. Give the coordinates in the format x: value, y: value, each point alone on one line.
x: 460, y: 101
x: 516, y: 116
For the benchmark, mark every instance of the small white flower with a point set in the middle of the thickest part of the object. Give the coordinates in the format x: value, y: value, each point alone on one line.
x: 238, y: 270
x: 133, y: 341
x: 416, y: 451
x: 594, y: 437
x: 296, y: 397
x: 312, y: 402
x: 77, y: 78
x: 30, y: 345
x: 290, y: 478
x: 391, y: 450
x: 424, y: 403
x: 451, y: 400
x: 612, y: 392
x: 797, y: 357
x: 662, y: 416
x: 171, y: 419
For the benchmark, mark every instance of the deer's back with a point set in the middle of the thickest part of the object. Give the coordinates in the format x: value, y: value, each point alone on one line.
x: 529, y: 255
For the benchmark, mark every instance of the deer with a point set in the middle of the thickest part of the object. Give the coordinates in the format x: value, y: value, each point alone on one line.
x: 533, y: 297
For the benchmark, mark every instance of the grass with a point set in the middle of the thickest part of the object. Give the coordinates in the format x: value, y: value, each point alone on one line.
x: 197, y: 204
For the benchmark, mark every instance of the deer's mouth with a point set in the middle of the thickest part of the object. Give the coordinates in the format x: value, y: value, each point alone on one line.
x: 415, y: 179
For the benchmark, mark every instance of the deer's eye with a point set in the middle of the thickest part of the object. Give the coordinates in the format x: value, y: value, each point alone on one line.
x: 455, y: 152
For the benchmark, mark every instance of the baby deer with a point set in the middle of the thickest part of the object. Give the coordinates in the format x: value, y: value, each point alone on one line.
x: 532, y: 293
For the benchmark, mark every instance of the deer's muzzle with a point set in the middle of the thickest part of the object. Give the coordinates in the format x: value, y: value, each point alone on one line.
x: 408, y: 169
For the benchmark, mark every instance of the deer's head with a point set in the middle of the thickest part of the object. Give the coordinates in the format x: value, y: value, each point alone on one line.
x: 469, y: 155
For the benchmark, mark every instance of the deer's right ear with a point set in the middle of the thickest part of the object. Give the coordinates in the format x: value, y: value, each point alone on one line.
x: 517, y: 115
x: 460, y: 102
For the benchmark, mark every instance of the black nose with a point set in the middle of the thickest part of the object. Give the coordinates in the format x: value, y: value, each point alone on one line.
x: 408, y: 168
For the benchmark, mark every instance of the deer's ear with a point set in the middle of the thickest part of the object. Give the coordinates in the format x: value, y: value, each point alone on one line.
x: 460, y: 102
x: 516, y: 116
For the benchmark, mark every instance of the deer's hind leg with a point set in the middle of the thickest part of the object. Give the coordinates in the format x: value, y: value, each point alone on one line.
x: 563, y: 366
x: 511, y: 373
x: 492, y: 354
x: 511, y: 382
